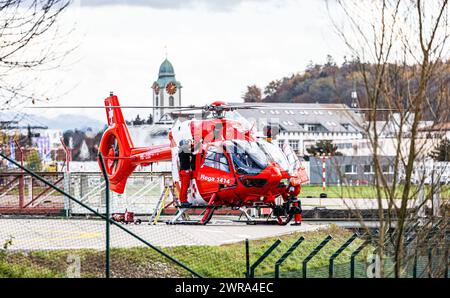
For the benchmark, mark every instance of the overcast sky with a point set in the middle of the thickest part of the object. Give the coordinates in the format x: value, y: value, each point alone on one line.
x: 216, y: 47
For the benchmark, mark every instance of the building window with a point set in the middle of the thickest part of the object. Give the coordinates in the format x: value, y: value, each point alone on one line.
x: 216, y: 160
x: 387, y: 169
x: 157, y: 100
x: 171, y: 101
x: 350, y: 169
x: 344, y: 145
x: 368, y: 169
x: 294, y: 145
x: 281, y: 143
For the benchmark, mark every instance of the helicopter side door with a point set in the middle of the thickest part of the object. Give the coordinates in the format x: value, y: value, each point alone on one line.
x: 214, y: 171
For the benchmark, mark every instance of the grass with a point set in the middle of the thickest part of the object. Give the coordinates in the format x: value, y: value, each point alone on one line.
x: 360, y: 191
x: 333, y: 191
x: 8, y: 270
x: 209, y: 261
x: 229, y: 259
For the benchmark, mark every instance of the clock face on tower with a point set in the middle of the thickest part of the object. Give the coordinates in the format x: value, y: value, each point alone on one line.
x: 171, y: 88
x: 156, y: 88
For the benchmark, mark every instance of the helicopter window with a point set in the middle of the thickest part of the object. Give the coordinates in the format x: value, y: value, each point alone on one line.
x: 216, y: 160
x: 223, y: 159
x: 275, y: 154
x: 211, y: 153
x: 291, y: 156
x: 248, y: 158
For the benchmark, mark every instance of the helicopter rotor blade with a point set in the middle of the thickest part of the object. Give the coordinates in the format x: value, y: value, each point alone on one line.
x: 102, y: 107
x: 209, y: 107
x: 325, y: 109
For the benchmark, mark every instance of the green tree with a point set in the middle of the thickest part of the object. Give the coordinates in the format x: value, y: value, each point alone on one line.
x: 272, y: 88
x: 149, y: 119
x: 253, y: 94
x: 442, y: 151
x: 324, y: 146
x: 138, y: 120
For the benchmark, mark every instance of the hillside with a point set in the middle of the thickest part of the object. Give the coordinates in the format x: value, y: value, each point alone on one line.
x: 330, y: 83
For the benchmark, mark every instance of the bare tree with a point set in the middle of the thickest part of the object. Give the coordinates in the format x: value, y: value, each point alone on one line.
x: 402, y: 51
x: 31, y: 41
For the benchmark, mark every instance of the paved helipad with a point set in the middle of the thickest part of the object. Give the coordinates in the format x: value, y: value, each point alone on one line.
x: 50, y: 234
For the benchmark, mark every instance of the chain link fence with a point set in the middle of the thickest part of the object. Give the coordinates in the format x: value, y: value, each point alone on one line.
x: 62, y: 229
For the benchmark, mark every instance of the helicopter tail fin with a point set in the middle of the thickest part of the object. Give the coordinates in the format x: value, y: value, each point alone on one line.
x: 116, y: 146
x: 113, y: 111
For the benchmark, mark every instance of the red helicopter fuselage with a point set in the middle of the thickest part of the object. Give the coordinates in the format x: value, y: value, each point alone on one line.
x: 230, y: 169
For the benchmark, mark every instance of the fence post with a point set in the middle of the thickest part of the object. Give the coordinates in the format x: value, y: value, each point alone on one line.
x: 107, y: 249
x: 430, y: 262
x: 262, y: 257
x: 434, y: 231
x: 247, y: 258
x: 338, y: 252
x: 446, y: 259
x: 313, y: 253
x: 287, y: 254
x: 353, y: 256
x: 415, y: 259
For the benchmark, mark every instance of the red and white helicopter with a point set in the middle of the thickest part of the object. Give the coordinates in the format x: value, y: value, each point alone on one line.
x: 230, y: 167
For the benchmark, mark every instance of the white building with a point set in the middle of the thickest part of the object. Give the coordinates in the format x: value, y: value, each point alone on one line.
x: 436, y: 131
x: 303, y: 124
x: 396, y: 130
x: 166, y: 93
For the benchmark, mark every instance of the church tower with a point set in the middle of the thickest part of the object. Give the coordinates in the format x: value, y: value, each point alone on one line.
x: 166, y: 93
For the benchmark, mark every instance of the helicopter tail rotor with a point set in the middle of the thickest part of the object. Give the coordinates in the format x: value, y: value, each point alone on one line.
x: 116, y: 146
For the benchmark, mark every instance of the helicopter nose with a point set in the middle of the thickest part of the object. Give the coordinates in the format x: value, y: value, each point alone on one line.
x: 276, y: 173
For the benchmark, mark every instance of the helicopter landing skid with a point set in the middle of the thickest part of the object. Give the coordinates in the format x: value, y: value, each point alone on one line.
x: 181, y: 213
x: 273, y: 222
x: 249, y: 218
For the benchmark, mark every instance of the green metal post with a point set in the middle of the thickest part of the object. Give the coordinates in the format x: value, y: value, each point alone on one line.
x: 101, y: 216
x: 353, y: 256
x: 430, y: 262
x: 263, y: 257
x: 107, y: 250
x: 431, y: 234
x: 446, y: 259
x: 287, y: 254
x: 247, y: 258
x: 415, y: 266
x: 313, y: 253
x: 338, y: 252
x: 415, y: 259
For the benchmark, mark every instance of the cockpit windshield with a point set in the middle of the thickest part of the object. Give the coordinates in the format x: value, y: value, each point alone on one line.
x: 294, y: 162
x: 275, y: 154
x: 247, y: 157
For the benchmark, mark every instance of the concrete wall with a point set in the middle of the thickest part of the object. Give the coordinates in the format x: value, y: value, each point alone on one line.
x: 336, y: 169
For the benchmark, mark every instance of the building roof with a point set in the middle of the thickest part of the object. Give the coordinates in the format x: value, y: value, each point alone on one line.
x: 391, y: 127
x: 166, y: 74
x: 295, y: 117
x: 441, y: 126
x: 166, y: 69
